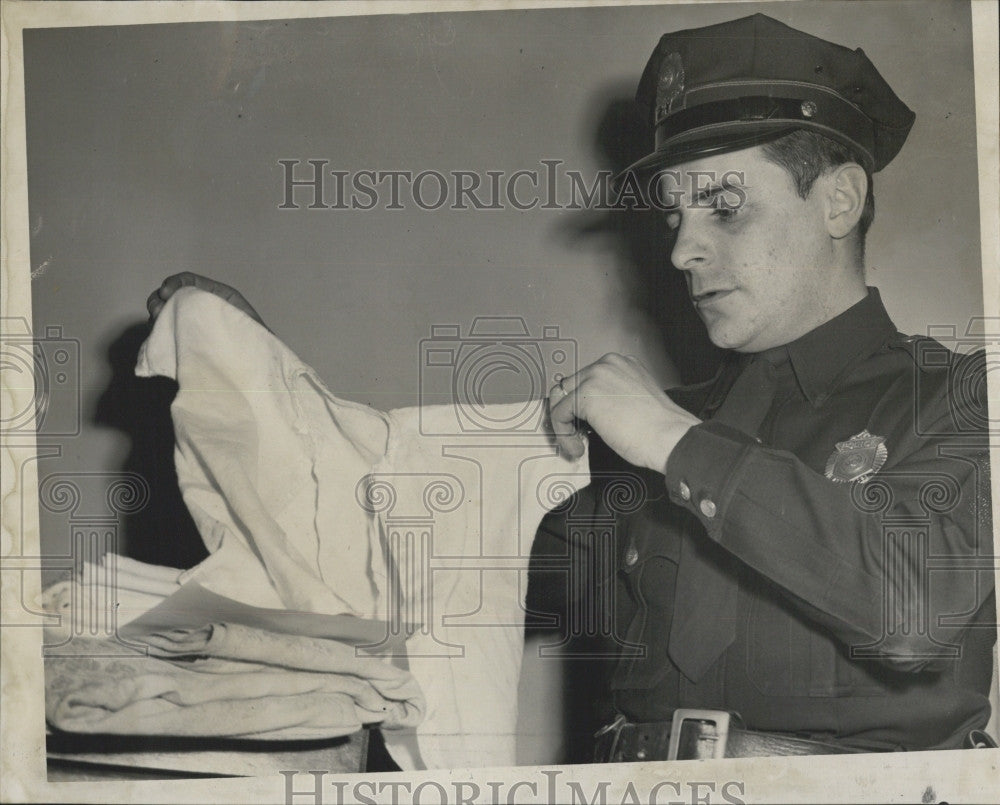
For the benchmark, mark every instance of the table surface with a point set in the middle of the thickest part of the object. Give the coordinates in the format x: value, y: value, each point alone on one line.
x: 108, y: 757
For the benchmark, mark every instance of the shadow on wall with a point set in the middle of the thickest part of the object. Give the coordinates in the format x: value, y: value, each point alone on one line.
x: 659, y: 292
x: 657, y: 289
x: 162, y: 532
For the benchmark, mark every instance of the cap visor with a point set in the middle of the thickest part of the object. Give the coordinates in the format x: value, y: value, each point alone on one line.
x: 687, y: 148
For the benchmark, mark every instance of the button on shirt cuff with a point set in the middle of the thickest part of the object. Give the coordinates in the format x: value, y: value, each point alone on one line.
x: 703, y: 469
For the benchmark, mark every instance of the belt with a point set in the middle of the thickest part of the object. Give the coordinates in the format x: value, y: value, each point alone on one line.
x: 697, y: 734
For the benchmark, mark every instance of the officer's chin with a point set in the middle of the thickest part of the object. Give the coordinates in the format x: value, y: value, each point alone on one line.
x: 723, y: 334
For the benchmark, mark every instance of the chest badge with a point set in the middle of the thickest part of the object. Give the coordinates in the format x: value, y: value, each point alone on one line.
x: 857, y: 459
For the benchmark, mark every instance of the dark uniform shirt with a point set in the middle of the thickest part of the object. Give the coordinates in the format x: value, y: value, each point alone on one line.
x: 859, y: 611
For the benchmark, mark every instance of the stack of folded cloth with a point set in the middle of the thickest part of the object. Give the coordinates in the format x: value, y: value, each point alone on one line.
x: 221, y: 679
x: 306, y: 503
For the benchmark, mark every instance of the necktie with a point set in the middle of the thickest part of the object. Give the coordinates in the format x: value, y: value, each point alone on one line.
x: 705, y: 603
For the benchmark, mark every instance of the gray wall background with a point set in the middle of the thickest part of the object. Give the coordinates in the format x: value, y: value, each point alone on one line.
x: 154, y: 149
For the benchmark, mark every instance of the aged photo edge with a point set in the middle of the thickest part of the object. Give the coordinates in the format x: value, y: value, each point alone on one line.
x: 950, y: 776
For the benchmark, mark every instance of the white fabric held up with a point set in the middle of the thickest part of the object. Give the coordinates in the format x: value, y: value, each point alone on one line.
x: 310, y: 502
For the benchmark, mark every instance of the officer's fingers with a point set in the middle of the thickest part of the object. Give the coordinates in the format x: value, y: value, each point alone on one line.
x: 237, y: 300
x: 166, y: 289
x: 613, y: 369
x: 154, y: 304
x: 632, y: 367
x: 175, y: 281
x: 171, y: 284
x: 640, y: 373
x: 561, y: 410
x: 614, y: 359
x: 220, y: 289
x: 566, y: 384
x: 563, y: 417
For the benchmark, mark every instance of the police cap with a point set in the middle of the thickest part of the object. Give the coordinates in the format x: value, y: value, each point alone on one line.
x: 741, y: 83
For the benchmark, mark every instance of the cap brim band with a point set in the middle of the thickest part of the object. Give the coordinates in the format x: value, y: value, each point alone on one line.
x: 688, y: 149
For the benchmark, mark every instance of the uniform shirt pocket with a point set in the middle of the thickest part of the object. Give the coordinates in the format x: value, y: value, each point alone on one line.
x: 648, y: 571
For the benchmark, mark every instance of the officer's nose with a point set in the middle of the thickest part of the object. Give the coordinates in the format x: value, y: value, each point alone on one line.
x: 692, y: 249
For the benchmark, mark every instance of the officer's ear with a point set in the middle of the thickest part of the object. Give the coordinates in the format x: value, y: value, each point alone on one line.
x: 846, y: 189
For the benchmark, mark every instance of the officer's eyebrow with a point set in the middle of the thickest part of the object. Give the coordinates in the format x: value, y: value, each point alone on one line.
x: 714, y: 190
x: 707, y: 198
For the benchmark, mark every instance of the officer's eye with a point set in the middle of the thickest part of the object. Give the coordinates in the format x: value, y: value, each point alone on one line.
x: 673, y: 221
x: 725, y: 214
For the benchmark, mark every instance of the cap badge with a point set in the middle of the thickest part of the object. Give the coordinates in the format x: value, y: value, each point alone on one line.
x: 857, y: 459
x: 670, y: 84
x: 809, y: 109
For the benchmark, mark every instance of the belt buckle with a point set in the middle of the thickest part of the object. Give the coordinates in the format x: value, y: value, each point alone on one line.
x: 719, y: 717
x: 614, y: 727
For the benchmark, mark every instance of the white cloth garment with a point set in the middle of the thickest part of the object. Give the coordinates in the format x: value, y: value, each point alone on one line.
x: 311, y: 502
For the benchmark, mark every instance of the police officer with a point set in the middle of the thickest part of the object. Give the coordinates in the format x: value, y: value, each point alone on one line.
x: 817, y: 577
x: 811, y: 571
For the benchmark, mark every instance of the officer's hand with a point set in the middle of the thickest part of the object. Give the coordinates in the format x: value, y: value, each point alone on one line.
x: 622, y: 402
x: 158, y: 298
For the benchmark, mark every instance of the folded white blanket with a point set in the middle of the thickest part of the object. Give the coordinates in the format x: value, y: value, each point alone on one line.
x: 319, y: 504
x: 228, y: 680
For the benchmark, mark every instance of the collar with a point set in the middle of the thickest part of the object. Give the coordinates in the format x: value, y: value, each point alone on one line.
x: 823, y: 355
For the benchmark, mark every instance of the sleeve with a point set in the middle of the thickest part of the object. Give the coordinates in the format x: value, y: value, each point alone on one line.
x: 895, y: 567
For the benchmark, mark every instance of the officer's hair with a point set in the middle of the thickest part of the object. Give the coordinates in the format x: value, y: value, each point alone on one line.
x: 807, y: 155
